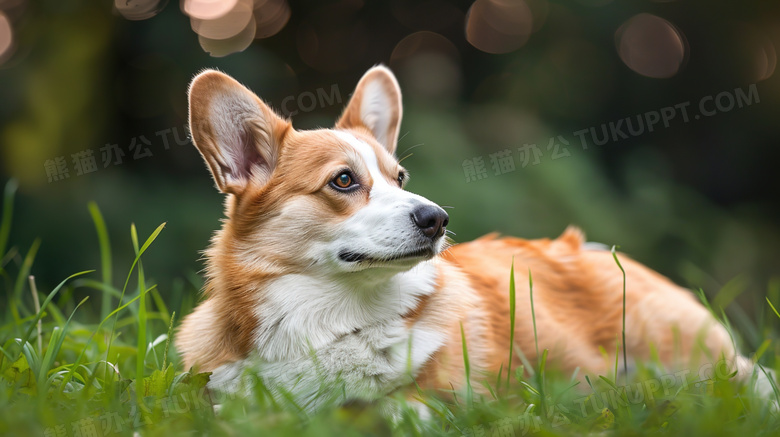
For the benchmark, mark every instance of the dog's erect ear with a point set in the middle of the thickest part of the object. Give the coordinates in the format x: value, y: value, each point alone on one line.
x: 237, y: 134
x: 376, y: 105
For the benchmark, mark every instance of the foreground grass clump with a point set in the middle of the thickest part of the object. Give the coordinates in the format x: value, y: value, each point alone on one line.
x: 93, y: 357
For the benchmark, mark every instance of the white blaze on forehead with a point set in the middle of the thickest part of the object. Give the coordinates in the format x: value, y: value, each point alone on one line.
x: 369, y: 157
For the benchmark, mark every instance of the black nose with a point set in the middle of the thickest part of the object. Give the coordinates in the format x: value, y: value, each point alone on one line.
x: 431, y: 220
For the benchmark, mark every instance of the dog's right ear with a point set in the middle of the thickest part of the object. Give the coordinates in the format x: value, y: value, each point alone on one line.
x: 238, y: 135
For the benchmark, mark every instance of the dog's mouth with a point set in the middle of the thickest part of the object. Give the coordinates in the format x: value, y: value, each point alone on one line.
x: 357, y: 257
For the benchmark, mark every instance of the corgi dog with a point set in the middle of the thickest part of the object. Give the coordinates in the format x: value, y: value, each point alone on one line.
x: 327, y: 270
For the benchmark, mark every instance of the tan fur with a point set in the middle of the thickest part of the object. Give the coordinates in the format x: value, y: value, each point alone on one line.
x: 221, y: 330
x: 279, y: 197
x: 578, y: 307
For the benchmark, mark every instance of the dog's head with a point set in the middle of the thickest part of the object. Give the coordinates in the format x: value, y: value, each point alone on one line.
x: 321, y: 201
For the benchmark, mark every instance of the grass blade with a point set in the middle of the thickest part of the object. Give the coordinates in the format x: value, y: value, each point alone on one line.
x: 542, y: 382
x: 467, y: 367
x: 141, y: 292
x: 773, y: 307
x: 48, y: 299
x: 705, y: 302
x: 140, y: 252
x: 771, y: 379
x: 77, y: 363
x: 530, y: 388
x: 512, y: 311
x: 168, y: 342
x: 762, y: 349
x: 55, y: 344
x: 730, y: 291
x: 625, y: 360
x: 8, y: 209
x: 533, y: 313
x: 161, y: 307
x: 32, y: 357
x: 105, y: 255
x: 498, y: 378
x: 141, y: 341
x: 24, y: 272
x: 37, y: 303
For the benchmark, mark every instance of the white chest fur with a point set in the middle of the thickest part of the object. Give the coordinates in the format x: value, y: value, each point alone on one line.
x: 322, y: 337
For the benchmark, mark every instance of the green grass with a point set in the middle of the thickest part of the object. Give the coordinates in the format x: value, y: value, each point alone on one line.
x: 86, y: 358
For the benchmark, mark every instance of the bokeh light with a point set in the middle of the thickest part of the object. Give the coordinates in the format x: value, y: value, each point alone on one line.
x: 651, y: 46
x: 270, y: 17
x: 207, y: 9
x: 767, y: 60
x: 498, y: 26
x: 236, y: 43
x: 139, y: 9
x: 6, y: 38
x: 761, y: 50
x: 230, y: 26
x: 226, y: 26
x: 429, y: 66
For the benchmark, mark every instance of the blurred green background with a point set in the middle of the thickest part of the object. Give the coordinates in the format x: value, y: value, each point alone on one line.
x: 696, y: 200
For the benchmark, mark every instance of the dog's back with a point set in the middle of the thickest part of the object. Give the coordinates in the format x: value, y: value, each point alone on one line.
x: 578, y: 309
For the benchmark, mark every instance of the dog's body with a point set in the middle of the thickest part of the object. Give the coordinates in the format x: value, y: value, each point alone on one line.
x: 326, y: 270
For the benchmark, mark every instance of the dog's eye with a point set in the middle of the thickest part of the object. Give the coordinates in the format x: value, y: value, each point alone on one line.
x: 401, y: 178
x: 343, y: 181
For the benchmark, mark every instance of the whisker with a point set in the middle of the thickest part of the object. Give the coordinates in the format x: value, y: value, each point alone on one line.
x: 412, y: 147
x: 447, y: 206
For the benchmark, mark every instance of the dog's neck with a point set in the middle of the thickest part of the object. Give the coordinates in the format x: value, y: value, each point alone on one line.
x: 297, y: 313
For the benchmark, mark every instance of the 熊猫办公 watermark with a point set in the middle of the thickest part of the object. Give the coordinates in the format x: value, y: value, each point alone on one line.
x: 88, y: 161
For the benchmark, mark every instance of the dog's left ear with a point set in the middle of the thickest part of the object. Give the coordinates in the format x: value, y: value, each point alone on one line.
x: 238, y: 135
x: 376, y: 106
